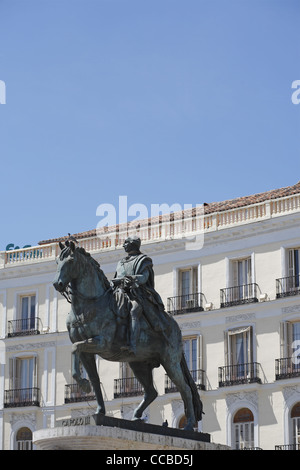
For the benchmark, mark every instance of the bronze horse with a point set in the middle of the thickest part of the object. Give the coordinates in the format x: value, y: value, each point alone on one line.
x: 94, y: 324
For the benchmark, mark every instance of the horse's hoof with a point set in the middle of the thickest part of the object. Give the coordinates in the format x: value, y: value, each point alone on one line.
x: 189, y: 427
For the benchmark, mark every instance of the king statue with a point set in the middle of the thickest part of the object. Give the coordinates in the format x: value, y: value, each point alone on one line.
x: 134, y: 277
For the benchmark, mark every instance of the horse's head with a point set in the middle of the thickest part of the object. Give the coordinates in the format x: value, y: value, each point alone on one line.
x: 67, y: 268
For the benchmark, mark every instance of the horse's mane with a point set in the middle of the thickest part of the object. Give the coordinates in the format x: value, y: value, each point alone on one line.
x: 66, y: 251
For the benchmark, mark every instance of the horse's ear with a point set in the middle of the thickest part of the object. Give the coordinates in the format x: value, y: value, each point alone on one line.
x: 67, y: 243
x: 61, y: 245
x: 72, y: 245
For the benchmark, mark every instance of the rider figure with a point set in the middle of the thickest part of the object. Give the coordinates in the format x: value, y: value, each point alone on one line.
x: 135, y: 275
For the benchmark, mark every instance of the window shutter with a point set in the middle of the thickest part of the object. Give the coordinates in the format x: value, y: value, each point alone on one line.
x: 235, y: 274
x: 249, y: 271
x: 35, y: 371
x: 283, y: 339
x: 289, y: 338
x: 226, y: 348
x: 200, y: 354
x: 291, y: 264
x: 250, y: 344
x: 11, y: 373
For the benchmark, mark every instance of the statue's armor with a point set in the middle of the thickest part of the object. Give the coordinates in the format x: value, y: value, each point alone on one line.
x: 143, y: 297
x: 125, y: 268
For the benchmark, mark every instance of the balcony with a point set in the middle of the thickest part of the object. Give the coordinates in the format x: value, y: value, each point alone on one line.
x: 287, y: 286
x: 24, y: 327
x: 128, y: 387
x: 74, y: 394
x: 181, y: 304
x: 288, y: 447
x: 198, y: 377
x: 22, y: 397
x: 286, y: 368
x: 239, y: 374
x: 239, y: 295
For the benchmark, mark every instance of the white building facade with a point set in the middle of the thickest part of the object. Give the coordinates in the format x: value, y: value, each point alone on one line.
x: 229, y: 276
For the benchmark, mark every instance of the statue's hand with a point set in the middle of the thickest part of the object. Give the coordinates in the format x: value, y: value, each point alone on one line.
x: 129, y: 282
x: 115, y: 282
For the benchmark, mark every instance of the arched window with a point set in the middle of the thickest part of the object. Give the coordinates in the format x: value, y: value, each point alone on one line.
x: 24, y: 439
x: 295, y: 417
x: 182, y: 422
x: 243, y: 428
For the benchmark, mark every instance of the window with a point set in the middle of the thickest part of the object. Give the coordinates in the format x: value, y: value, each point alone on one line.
x: 26, y: 321
x: 23, y: 382
x: 193, y: 357
x: 127, y: 384
x: 293, y: 268
x: 188, y: 282
x: 188, y: 298
x: 239, y: 346
x: 243, y: 429
x: 243, y: 289
x: 24, y: 373
x: 190, y: 349
x: 242, y: 279
x: 242, y: 273
x: 239, y: 368
x: 290, y: 332
x: 24, y: 439
x: 295, y: 421
x: 27, y: 312
x: 290, y: 284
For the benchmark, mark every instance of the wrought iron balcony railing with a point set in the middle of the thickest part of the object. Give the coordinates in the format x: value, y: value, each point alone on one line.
x: 128, y: 387
x: 24, y: 327
x: 22, y: 397
x: 239, y: 295
x: 288, y: 447
x: 286, y: 368
x: 74, y: 394
x: 239, y: 374
x: 198, y: 377
x: 185, y: 303
x: 287, y: 286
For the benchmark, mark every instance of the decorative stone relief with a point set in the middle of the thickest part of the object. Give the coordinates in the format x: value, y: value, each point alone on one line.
x: 240, y: 317
x: 288, y: 392
x: 194, y: 325
x: 251, y: 397
x: 22, y: 417
x: 26, y: 346
x: 291, y: 309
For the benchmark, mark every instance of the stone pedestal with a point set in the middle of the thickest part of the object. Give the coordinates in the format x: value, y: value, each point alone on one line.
x: 116, y: 434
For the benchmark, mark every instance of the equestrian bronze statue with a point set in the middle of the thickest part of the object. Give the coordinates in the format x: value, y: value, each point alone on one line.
x: 122, y: 320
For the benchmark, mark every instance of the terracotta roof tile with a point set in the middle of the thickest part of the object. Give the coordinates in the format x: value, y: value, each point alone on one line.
x: 209, y: 208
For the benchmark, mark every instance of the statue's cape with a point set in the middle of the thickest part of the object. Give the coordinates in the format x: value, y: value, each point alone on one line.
x: 141, y: 263
x: 146, y: 291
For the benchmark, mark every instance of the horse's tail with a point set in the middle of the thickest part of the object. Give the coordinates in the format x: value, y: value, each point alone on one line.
x: 197, y: 403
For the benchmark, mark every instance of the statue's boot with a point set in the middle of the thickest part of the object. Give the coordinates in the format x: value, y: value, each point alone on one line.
x: 135, y: 328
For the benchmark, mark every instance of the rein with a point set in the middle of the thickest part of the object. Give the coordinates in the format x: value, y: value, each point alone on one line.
x: 69, y: 291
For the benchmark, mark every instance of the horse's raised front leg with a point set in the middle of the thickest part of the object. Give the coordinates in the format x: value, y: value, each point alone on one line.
x: 76, y: 374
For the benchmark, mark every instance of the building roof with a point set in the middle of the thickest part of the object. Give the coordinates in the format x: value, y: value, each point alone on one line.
x: 209, y: 208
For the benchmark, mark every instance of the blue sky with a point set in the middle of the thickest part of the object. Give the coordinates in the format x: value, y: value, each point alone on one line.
x: 164, y: 101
